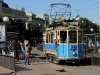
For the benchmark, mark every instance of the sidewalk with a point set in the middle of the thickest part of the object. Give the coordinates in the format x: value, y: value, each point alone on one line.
x: 5, y: 71
x: 21, y: 68
x: 39, y: 66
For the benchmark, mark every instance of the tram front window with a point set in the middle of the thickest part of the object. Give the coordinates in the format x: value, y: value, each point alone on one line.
x: 63, y: 36
x: 73, y: 36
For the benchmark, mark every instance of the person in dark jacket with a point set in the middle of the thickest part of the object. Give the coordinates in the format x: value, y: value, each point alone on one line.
x: 18, y: 50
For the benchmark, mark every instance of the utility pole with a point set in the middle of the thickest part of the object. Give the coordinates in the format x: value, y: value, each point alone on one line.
x: 99, y: 16
x: 77, y: 12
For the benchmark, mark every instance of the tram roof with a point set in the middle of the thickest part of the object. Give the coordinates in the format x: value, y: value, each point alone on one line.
x: 64, y: 28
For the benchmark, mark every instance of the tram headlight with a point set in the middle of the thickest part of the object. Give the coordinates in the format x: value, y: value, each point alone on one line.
x: 73, y: 53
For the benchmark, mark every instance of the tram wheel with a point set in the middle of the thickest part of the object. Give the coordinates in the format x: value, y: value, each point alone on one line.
x: 51, y: 59
x: 47, y: 57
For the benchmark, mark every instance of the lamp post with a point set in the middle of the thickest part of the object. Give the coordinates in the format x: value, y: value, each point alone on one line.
x: 82, y: 24
x: 5, y: 20
x: 26, y: 25
x: 91, y: 30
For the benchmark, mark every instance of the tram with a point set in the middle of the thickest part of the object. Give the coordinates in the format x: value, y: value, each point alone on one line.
x: 92, y: 41
x: 63, y: 40
x: 58, y: 47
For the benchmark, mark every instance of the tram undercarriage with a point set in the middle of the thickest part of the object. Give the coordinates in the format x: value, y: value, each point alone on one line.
x: 51, y: 56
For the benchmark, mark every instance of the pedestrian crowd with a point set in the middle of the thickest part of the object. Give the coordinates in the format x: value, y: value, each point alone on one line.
x: 23, y: 51
x: 20, y: 49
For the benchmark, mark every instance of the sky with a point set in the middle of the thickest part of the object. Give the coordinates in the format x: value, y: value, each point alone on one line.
x: 87, y: 8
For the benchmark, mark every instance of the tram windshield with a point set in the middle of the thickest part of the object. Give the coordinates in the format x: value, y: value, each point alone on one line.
x: 63, y: 36
x: 72, y: 37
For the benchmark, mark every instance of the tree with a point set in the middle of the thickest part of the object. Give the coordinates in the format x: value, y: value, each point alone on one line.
x: 37, y: 28
x: 86, y: 25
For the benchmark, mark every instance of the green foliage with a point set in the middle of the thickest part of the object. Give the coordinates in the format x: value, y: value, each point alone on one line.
x: 86, y: 25
x: 36, y: 26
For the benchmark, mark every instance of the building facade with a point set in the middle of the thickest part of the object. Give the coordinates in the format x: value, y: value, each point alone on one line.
x: 4, y: 9
x: 30, y: 15
x: 43, y: 16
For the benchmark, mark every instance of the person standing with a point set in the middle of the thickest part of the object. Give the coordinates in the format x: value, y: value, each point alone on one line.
x: 22, y: 50
x: 27, y: 53
x: 18, y: 50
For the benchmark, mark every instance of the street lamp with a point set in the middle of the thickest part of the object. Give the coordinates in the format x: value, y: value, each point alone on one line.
x: 82, y: 24
x: 26, y: 25
x: 91, y: 30
x: 5, y: 20
x: 39, y: 24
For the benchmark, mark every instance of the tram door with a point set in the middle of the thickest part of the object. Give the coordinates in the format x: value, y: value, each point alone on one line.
x: 72, y: 43
x: 62, y: 53
x: 52, y: 41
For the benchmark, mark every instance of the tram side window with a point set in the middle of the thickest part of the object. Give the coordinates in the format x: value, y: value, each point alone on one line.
x: 91, y: 41
x: 52, y: 36
x: 73, y: 36
x: 98, y: 40
x: 49, y: 38
x: 80, y: 37
x: 46, y: 38
x: 63, y: 36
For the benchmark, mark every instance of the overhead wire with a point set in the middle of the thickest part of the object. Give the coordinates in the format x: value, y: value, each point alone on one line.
x: 86, y: 8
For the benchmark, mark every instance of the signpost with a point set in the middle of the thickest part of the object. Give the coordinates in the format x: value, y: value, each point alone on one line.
x: 2, y: 36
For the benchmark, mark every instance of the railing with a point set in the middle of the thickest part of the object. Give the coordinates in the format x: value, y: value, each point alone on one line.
x: 7, y: 61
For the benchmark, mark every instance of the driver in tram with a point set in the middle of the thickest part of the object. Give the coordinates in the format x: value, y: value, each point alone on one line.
x: 69, y: 40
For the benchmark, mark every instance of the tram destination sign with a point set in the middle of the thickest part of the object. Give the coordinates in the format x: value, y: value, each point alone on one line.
x: 72, y: 23
x: 49, y: 28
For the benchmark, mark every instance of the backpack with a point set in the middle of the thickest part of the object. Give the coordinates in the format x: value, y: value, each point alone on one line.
x: 28, y: 54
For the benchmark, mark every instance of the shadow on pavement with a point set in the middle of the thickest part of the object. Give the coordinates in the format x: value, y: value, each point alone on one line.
x: 18, y: 62
x: 62, y: 70
x: 34, y: 55
x: 20, y: 68
x: 84, y: 62
x: 6, y: 74
x: 37, y: 57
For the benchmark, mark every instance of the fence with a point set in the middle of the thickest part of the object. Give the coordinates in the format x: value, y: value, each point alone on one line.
x: 7, y: 61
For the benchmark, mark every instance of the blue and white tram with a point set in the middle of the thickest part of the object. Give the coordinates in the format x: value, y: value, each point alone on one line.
x: 63, y: 43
